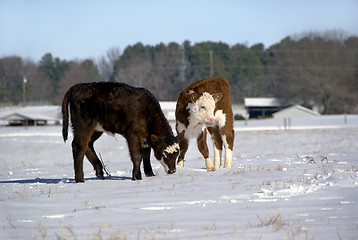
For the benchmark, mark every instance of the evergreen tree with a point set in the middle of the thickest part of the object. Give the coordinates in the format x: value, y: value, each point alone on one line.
x: 54, y: 68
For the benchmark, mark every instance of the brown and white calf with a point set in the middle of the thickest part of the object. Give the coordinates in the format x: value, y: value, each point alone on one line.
x: 118, y: 108
x: 204, y: 106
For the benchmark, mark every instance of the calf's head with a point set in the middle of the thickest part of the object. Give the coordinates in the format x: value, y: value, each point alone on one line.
x: 166, y: 151
x: 202, y: 107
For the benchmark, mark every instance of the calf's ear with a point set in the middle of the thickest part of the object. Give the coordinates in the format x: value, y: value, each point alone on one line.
x: 193, y: 95
x: 217, y: 97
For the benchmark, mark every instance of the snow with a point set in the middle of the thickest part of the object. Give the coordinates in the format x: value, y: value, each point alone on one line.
x: 285, y: 184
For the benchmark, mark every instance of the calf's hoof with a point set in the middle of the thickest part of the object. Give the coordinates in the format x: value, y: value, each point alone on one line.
x: 228, y: 165
x: 100, y: 176
x: 180, y: 163
x: 137, y: 176
x: 79, y: 180
x: 149, y: 172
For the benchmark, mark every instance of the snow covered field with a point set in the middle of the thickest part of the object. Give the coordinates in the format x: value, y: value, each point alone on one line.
x: 284, y: 184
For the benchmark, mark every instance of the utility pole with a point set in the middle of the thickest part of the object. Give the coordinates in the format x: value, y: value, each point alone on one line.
x: 211, y: 65
x: 24, y: 91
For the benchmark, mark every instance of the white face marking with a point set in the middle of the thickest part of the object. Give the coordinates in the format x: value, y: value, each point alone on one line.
x: 201, y: 114
x: 166, y: 168
x: 172, y: 149
x: 202, y: 110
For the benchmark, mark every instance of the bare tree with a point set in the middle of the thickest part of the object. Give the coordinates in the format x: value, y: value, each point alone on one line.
x: 11, y: 79
x: 313, y: 71
x: 106, y: 63
x: 79, y: 72
x: 157, y: 68
x: 38, y: 84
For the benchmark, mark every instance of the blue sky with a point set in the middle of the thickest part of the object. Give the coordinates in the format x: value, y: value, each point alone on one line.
x: 79, y: 29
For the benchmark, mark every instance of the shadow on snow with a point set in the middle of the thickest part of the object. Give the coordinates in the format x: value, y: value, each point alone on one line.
x: 60, y: 180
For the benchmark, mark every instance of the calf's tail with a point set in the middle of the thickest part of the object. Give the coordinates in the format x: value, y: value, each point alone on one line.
x: 65, y: 103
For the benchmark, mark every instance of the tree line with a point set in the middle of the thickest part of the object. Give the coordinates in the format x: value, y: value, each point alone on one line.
x: 310, y: 70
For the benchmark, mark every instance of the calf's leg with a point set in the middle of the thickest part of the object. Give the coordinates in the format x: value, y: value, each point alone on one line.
x: 228, y: 145
x: 203, y: 148
x: 217, y: 142
x: 146, y: 161
x: 134, y: 147
x: 227, y: 135
x: 82, y: 132
x: 92, y: 156
x: 183, y: 144
x: 78, y: 150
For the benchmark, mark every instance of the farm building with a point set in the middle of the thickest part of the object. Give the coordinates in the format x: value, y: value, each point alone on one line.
x: 262, y: 107
x: 295, y: 111
x: 30, y: 116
